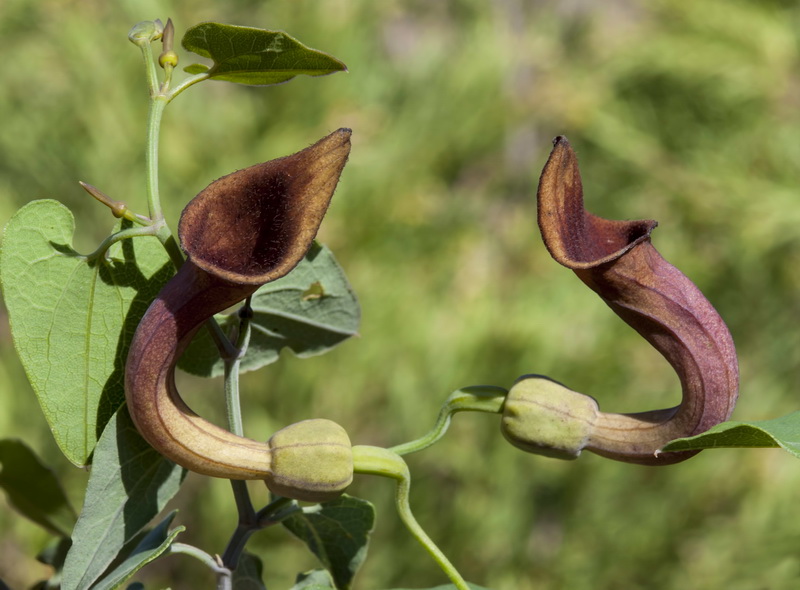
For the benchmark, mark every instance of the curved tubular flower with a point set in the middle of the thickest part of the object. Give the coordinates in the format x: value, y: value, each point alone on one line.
x: 618, y: 262
x: 243, y: 230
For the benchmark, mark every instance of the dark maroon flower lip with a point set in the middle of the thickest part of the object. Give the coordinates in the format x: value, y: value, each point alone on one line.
x: 245, y: 229
x: 617, y: 260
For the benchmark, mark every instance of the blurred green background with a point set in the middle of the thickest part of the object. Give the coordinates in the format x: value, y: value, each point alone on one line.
x: 686, y: 112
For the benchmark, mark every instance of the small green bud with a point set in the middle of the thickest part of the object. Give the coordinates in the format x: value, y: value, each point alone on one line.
x: 311, y: 460
x: 544, y: 417
x: 168, y: 58
x: 145, y: 32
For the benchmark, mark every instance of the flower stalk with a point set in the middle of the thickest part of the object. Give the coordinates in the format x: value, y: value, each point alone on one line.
x: 617, y: 260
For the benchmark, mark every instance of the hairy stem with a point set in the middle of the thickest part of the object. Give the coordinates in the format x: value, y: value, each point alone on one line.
x: 158, y: 103
x: 384, y: 462
x: 477, y: 398
x: 223, y: 574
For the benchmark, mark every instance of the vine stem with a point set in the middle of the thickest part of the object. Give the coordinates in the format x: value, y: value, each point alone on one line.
x: 240, y: 339
x: 271, y: 514
x: 158, y: 103
x: 160, y: 97
x: 248, y: 522
x: 386, y: 463
x: 124, y: 234
x: 185, y: 83
x: 475, y: 398
x: 224, y: 575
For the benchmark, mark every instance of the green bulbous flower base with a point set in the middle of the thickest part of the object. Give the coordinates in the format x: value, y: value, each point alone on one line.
x: 312, y: 461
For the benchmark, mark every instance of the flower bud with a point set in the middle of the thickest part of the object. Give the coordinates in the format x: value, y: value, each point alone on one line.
x: 542, y: 416
x: 312, y: 460
x: 145, y: 32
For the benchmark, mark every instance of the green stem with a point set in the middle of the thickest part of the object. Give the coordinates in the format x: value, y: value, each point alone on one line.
x: 185, y: 83
x: 169, y: 242
x: 276, y: 511
x: 475, y: 398
x: 118, y: 208
x: 248, y: 519
x: 157, y: 104
x: 240, y: 339
x: 150, y: 67
x: 124, y: 234
x: 386, y: 463
x: 273, y: 513
x: 224, y: 577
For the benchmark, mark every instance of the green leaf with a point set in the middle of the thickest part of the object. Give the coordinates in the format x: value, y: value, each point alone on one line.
x: 310, y: 310
x: 446, y: 587
x: 72, y: 319
x: 313, y: 580
x: 248, y: 575
x: 337, y: 532
x: 781, y: 432
x: 253, y: 56
x: 129, y: 485
x: 151, y: 547
x: 33, y: 489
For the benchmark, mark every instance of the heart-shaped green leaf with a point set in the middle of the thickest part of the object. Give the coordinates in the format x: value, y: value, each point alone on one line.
x: 781, y: 432
x: 72, y: 318
x: 247, y: 55
x: 310, y: 310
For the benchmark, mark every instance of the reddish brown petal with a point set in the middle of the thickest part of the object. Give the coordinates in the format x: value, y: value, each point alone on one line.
x: 618, y: 262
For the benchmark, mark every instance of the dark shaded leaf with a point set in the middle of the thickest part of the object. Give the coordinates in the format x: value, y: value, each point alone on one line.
x: 337, y: 532
x: 313, y: 580
x: 129, y: 485
x: 248, y: 575
x: 33, y: 488
x: 310, y: 310
x: 151, y: 547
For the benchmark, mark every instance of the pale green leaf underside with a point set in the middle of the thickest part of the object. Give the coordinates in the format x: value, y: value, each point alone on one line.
x: 310, y: 310
x: 313, y: 580
x: 129, y: 485
x: 446, y: 587
x: 33, y: 488
x: 337, y: 532
x: 72, y: 320
x: 151, y: 547
x: 248, y: 55
x: 781, y: 432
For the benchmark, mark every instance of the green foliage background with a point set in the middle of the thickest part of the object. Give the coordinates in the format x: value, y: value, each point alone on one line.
x: 686, y: 112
